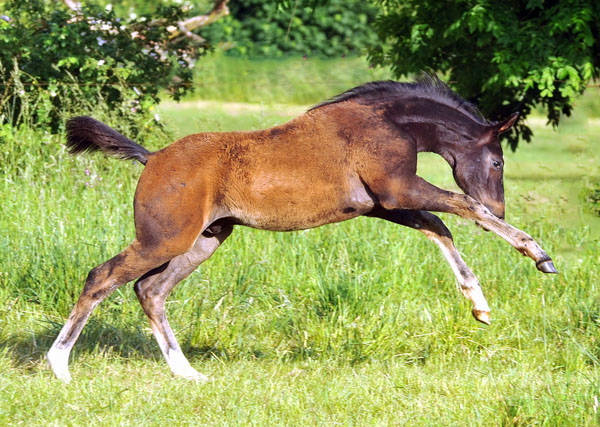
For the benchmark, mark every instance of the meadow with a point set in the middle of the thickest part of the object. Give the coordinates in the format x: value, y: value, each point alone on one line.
x: 358, y: 323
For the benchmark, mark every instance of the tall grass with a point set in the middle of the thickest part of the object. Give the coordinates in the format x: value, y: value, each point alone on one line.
x: 357, y: 323
x: 281, y: 81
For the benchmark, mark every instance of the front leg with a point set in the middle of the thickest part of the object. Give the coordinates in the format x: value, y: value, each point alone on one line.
x: 435, y: 230
x: 417, y: 194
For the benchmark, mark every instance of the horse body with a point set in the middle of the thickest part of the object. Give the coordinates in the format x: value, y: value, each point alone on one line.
x: 353, y: 155
x: 295, y: 176
x: 289, y: 181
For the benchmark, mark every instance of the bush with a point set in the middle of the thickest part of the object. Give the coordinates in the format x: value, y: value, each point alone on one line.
x: 257, y: 28
x: 591, y: 196
x: 53, y: 63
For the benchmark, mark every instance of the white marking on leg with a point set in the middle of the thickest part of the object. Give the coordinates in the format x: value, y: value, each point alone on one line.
x: 173, y: 355
x: 472, y: 290
x: 181, y: 367
x: 468, y: 283
x: 518, y: 239
x: 58, y: 355
x: 58, y: 360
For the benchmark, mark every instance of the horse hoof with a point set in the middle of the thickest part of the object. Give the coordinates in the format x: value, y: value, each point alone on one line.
x: 482, y: 316
x: 197, y: 377
x: 546, y: 266
x: 192, y: 375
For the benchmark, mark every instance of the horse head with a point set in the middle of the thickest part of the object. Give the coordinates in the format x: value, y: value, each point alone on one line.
x: 478, y: 166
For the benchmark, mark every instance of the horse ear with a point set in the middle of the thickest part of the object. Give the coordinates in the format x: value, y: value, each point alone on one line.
x: 502, y: 127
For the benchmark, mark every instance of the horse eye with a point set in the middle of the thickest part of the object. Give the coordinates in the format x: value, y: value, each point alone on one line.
x: 497, y: 164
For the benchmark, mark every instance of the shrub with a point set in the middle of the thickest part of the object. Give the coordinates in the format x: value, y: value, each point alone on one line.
x: 52, y: 62
x: 591, y: 196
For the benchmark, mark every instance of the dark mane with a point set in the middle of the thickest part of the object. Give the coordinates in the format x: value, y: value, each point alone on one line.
x: 426, y: 86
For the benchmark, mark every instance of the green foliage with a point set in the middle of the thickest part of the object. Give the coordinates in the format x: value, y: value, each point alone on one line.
x: 150, y: 7
x: 505, y: 56
x: 53, y: 63
x: 591, y: 197
x: 264, y: 29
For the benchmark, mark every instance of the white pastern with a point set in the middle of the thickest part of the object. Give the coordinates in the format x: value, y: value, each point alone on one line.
x: 181, y: 367
x: 468, y: 283
x: 58, y: 360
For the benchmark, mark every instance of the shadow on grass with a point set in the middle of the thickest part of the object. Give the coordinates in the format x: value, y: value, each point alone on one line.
x: 27, y: 349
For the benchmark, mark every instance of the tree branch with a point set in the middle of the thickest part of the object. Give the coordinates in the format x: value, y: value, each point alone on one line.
x: 75, y: 6
x: 184, y: 28
x: 219, y: 10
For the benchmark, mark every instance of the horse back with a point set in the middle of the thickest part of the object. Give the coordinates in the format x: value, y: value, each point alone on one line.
x: 302, y: 174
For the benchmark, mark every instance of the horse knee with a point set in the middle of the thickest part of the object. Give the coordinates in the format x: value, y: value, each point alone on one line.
x: 139, y: 290
x: 429, y: 222
x: 440, y: 227
x: 150, y: 292
x: 145, y: 289
x: 125, y: 267
x: 98, y: 283
x: 150, y: 297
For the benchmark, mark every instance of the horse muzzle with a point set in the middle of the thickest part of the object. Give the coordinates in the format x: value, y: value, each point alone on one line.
x: 496, y: 208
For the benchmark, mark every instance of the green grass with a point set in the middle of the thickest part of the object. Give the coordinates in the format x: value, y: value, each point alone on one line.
x: 281, y: 81
x: 358, y: 323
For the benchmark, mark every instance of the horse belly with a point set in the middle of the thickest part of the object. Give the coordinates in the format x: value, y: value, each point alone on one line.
x: 286, y: 202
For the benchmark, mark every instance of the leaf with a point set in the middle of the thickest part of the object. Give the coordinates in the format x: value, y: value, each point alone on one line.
x: 70, y: 60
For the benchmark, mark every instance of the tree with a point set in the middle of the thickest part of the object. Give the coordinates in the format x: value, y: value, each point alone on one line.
x: 74, y: 57
x: 259, y: 28
x: 505, y: 56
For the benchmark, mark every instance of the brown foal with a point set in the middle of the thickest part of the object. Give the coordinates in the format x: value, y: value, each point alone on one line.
x: 355, y: 154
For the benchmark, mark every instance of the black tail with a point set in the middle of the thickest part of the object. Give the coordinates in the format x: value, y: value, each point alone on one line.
x: 85, y: 134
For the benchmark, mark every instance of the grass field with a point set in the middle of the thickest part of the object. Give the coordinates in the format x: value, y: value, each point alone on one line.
x: 358, y: 323
x: 284, y: 81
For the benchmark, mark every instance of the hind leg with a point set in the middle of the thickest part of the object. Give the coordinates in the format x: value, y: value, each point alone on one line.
x: 134, y: 261
x: 153, y: 289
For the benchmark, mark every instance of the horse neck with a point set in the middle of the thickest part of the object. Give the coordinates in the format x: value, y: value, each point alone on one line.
x: 425, y: 135
x: 425, y: 132
x: 425, y: 120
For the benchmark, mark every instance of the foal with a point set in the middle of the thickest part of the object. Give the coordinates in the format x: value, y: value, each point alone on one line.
x: 355, y: 154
